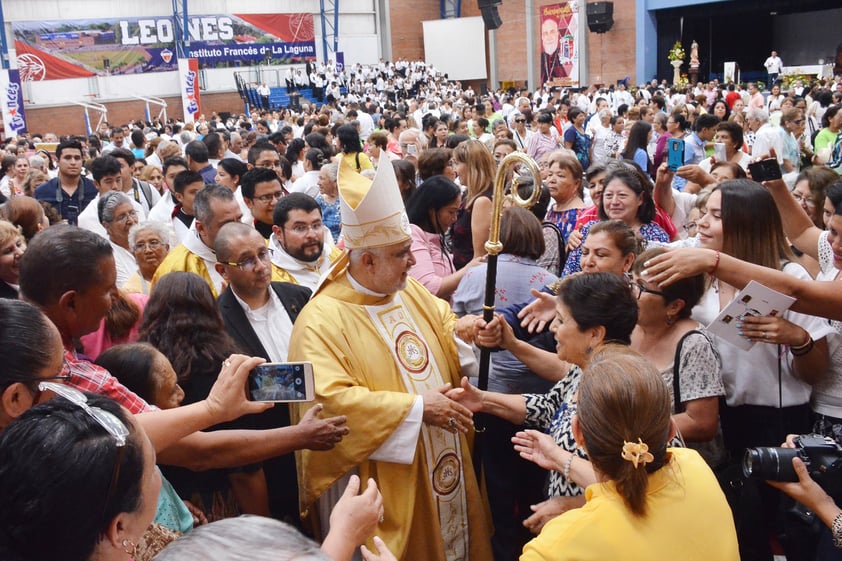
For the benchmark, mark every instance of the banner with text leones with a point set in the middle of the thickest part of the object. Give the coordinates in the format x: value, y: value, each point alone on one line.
x: 55, y: 50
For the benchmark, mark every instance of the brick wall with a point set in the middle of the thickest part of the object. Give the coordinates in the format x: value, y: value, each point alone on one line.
x: 405, y: 17
x: 70, y: 119
x: 611, y: 55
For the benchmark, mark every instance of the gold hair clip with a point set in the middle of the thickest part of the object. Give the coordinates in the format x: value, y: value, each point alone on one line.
x: 637, y: 453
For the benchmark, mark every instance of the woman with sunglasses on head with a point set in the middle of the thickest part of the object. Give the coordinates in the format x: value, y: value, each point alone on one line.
x: 33, y: 355
x: 99, y: 506
x: 682, y: 351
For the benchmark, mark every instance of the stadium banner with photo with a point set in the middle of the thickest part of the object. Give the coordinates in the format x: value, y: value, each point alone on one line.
x: 55, y: 50
x: 559, y: 44
x: 14, y: 117
x: 188, y: 74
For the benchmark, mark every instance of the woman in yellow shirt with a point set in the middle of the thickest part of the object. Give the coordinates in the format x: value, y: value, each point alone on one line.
x: 352, y: 148
x: 650, y: 501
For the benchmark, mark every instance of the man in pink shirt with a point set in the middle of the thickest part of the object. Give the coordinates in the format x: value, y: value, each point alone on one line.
x: 756, y: 101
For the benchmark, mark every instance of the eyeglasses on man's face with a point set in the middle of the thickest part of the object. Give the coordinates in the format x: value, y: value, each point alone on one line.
x: 249, y: 264
x: 304, y: 229
x: 269, y: 197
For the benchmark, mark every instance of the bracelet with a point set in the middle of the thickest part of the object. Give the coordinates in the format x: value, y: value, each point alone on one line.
x: 803, y: 350
x: 569, y: 461
x: 803, y: 345
x: 836, y: 530
x: 715, y: 265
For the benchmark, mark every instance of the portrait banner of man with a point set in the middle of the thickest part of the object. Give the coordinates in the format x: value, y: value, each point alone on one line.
x: 560, y: 43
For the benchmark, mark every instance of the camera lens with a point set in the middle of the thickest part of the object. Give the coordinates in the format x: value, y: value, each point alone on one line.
x: 774, y: 464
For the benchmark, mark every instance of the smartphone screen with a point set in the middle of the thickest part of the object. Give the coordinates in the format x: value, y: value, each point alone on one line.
x: 281, y: 382
x: 675, y: 153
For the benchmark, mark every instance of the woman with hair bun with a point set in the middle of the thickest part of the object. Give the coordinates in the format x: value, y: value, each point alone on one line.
x: 648, y: 498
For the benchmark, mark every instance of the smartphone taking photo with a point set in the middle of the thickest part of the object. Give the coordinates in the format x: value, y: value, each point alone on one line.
x: 765, y: 170
x: 675, y: 153
x: 282, y: 382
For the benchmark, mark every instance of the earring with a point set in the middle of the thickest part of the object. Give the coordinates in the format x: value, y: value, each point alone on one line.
x: 670, y: 321
x: 588, y: 351
x: 130, y: 550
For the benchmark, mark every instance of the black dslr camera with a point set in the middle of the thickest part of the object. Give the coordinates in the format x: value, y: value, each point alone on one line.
x: 821, y: 455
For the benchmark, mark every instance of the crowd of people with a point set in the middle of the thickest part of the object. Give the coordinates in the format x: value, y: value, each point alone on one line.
x: 146, y: 269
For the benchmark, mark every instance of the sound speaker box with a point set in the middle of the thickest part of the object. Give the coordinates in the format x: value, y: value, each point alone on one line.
x: 491, y: 17
x: 600, y: 16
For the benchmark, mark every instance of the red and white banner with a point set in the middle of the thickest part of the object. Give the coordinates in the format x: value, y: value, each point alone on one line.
x: 188, y: 74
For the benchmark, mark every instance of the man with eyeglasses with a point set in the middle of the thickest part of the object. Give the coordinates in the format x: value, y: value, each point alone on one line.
x: 261, y: 190
x: 108, y: 177
x: 266, y: 155
x: 214, y: 207
x: 258, y: 315
x: 75, y: 302
x: 301, y: 250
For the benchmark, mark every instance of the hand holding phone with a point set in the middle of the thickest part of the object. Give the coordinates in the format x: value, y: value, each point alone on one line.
x: 765, y: 170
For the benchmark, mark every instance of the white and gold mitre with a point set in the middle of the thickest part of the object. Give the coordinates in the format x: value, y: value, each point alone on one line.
x: 373, y: 213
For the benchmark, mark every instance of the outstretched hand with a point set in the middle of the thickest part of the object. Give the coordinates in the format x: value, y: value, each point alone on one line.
x: 443, y: 412
x: 356, y: 515
x: 538, y: 448
x: 677, y: 264
x: 545, y: 511
x: 538, y: 313
x: 321, y: 434
x: 468, y: 395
